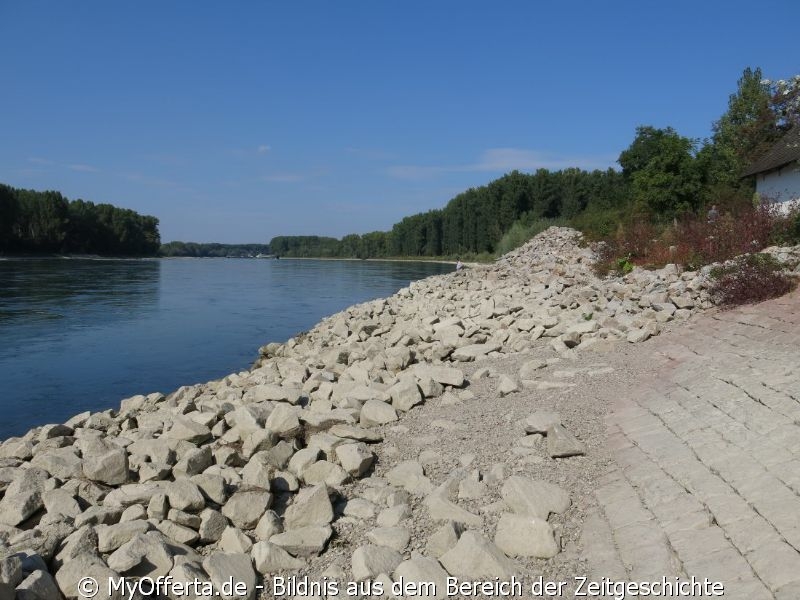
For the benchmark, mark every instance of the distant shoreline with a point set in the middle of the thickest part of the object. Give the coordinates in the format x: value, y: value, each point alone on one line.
x: 138, y: 258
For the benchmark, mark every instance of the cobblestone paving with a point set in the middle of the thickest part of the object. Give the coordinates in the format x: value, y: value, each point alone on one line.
x: 707, y: 445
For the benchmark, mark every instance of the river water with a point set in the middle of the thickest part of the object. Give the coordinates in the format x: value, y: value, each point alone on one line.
x: 81, y: 335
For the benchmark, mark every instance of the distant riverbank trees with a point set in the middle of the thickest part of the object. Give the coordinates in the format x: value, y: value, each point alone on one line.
x: 204, y: 250
x: 34, y: 222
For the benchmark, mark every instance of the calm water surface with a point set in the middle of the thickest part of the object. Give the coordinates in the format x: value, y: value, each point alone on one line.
x: 80, y: 335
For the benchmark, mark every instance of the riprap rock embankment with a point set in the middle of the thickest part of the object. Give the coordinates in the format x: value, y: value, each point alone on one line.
x: 250, y: 475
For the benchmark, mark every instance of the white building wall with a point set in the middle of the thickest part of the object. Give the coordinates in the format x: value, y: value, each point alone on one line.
x: 782, y: 185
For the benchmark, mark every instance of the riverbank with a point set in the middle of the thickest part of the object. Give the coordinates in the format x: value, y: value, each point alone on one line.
x: 438, y: 431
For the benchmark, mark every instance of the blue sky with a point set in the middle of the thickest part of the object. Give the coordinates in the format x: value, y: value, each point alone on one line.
x: 238, y: 121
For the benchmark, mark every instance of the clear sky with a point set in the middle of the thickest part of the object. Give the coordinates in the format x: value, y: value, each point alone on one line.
x: 238, y: 121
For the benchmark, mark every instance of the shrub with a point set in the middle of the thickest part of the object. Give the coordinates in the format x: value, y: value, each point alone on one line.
x: 598, y: 224
x: 693, y: 241
x: 787, y: 230
x: 624, y: 265
x: 750, y: 279
x: 523, y: 230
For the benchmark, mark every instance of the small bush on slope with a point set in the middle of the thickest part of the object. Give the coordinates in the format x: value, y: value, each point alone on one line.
x: 749, y: 279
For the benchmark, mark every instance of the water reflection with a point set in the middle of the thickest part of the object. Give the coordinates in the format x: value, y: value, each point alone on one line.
x: 80, y: 335
x: 61, y: 292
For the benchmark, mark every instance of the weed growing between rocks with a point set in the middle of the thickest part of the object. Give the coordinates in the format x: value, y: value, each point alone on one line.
x: 750, y: 279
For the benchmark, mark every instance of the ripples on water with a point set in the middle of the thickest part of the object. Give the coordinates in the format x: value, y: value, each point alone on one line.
x: 80, y: 334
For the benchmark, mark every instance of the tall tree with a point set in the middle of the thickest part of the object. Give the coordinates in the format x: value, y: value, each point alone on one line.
x: 8, y: 217
x: 661, y: 168
x: 747, y: 129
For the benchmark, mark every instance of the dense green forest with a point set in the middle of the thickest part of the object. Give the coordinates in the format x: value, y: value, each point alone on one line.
x: 46, y: 222
x: 663, y: 175
x: 202, y: 250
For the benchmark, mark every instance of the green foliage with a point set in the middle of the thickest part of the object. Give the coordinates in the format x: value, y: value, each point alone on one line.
x: 748, y: 128
x: 36, y: 222
x: 8, y: 216
x: 304, y: 246
x: 599, y: 223
x: 477, y: 220
x: 624, y: 265
x: 661, y: 167
x: 524, y: 229
x: 193, y: 249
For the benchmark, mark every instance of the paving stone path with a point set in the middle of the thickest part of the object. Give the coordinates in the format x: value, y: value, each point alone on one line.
x: 708, y: 453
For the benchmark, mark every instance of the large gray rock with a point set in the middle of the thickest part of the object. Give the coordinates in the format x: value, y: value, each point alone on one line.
x: 193, y: 462
x: 144, y: 555
x: 61, y: 502
x: 234, y: 540
x: 520, y: 535
x: 354, y: 432
x: 303, y: 542
x: 104, y: 461
x: 222, y: 567
x: 212, y: 525
x: 541, y: 421
x: 473, y: 351
x: 276, y: 393
x: 368, y: 561
x: 561, y: 443
x: 211, y: 486
x: 185, y: 495
x: 534, y: 497
x: 269, y: 558
x: 258, y: 471
x: 443, y: 539
x: 188, y: 430
x: 427, y: 573
x: 441, y: 508
x: 23, y: 498
x: 441, y: 374
x: 284, y: 422
x: 245, y: 508
x: 268, y: 525
x: 325, y: 472
x: 375, y: 412
x: 63, y: 463
x: 396, y: 538
x: 39, y: 585
x: 132, y: 493
x: 410, y: 476
x: 311, y: 506
x: 188, y: 571
x: 507, y: 386
x: 79, y: 542
x: 80, y: 567
x: 11, y: 570
x: 111, y: 537
x: 475, y: 557
x: 405, y: 395
x: 356, y: 459
x: 178, y: 533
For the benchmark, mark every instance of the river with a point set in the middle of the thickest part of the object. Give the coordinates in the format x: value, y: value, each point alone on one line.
x: 80, y: 335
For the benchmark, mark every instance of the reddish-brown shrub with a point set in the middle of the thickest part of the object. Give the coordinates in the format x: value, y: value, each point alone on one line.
x: 750, y: 279
x: 694, y: 241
